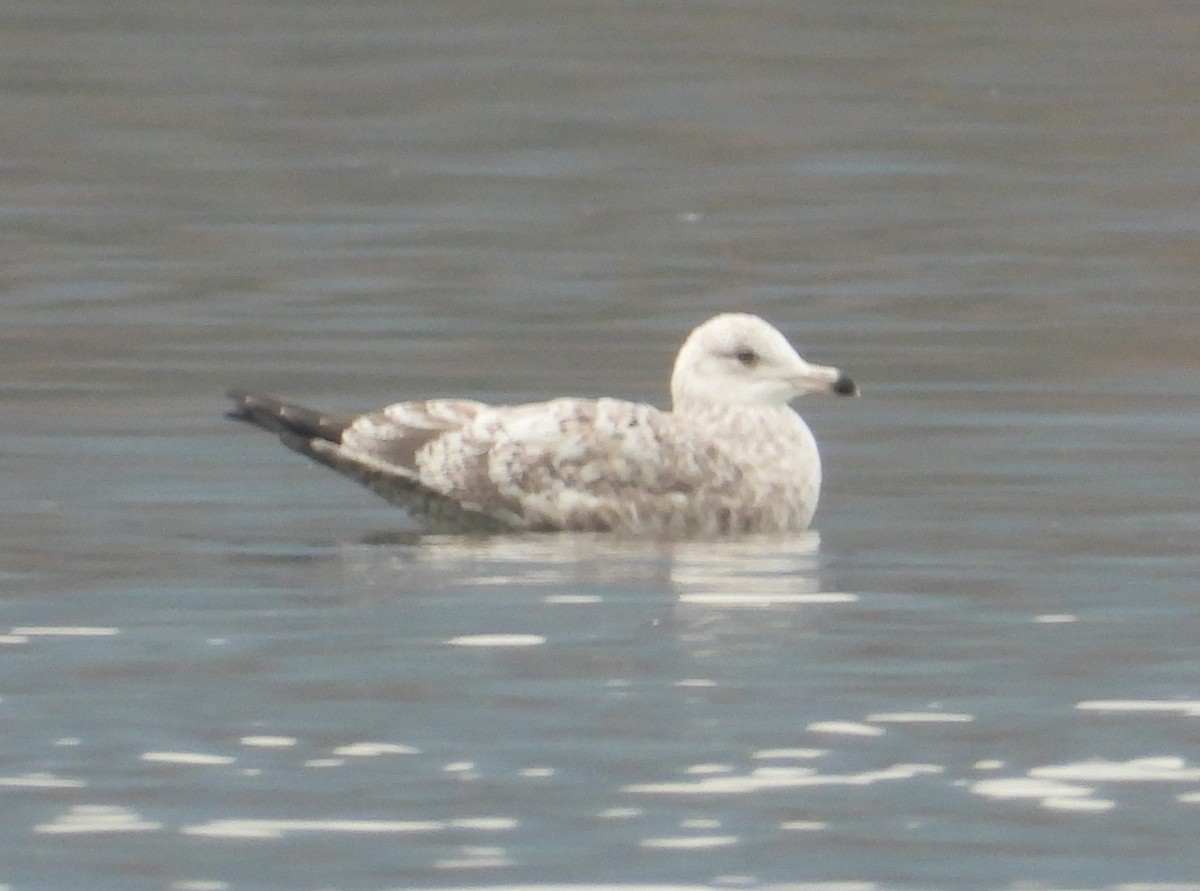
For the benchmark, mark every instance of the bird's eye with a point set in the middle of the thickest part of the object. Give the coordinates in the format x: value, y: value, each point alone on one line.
x: 747, y: 357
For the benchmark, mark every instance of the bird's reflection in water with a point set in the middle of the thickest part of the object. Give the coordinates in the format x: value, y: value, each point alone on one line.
x: 749, y: 572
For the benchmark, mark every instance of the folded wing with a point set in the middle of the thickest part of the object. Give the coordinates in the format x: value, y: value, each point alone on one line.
x: 575, y: 464
x: 578, y: 464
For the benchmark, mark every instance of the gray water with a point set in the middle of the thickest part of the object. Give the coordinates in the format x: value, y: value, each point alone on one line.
x: 221, y: 668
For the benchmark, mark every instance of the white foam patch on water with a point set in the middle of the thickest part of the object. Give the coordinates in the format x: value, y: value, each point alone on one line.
x: 497, y: 640
x: 690, y: 842
x: 269, y: 742
x: 783, y: 773
x: 41, y: 781
x: 13, y: 639
x: 199, y: 759
x: 475, y: 858
x: 88, y: 819
x: 536, y: 772
x: 765, y: 598
x: 1188, y: 798
x: 1028, y: 787
x: 1165, y: 769
x: 695, y: 682
x: 708, y: 769
x: 64, y: 631
x: 920, y: 718
x: 803, y: 825
x: 570, y: 599
x: 485, y: 824
x: 790, y: 886
x: 781, y: 778
x: 620, y: 813
x: 1188, y: 708
x: 374, y: 750
x: 253, y: 828
x: 1054, y: 619
x: 263, y: 829
x: 1082, y: 805
x: 495, y: 580
x: 767, y: 754
x: 198, y: 885
x: 845, y: 728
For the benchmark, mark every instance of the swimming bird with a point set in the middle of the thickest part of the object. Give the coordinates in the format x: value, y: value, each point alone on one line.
x: 729, y: 456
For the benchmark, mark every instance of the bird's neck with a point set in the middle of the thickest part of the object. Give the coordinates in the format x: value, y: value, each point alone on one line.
x: 706, y: 407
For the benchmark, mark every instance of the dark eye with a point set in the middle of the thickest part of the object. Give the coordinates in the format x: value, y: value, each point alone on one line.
x: 747, y: 357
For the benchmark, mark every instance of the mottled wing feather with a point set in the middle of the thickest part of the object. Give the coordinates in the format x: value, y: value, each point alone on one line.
x: 379, y: 451
x: 394, y: 435
x: 394, y: 485
x: 579, y: 464
x: 574, y: 464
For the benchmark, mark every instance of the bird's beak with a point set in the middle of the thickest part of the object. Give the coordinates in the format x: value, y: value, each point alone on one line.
x: 823, y: 379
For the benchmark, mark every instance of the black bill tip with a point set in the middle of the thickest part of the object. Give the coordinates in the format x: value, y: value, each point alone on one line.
x: 843, y: 386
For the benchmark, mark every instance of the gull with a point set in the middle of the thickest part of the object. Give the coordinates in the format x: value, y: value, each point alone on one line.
x: 730, y: 456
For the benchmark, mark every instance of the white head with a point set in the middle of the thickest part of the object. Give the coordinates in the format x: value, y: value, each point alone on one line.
x: 739, y: 359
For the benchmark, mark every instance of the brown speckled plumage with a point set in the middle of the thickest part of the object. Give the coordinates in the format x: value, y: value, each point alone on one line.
x: 730, y: 456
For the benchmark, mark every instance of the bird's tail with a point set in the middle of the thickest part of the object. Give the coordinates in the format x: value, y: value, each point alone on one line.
x: 319, y: 437
x: 285, y: 418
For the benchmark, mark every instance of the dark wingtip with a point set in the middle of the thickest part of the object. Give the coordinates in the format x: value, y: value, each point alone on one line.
x: 278, y: 416
x: 244, y: 402
x: 237, y: 411
x: 843, y: 386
